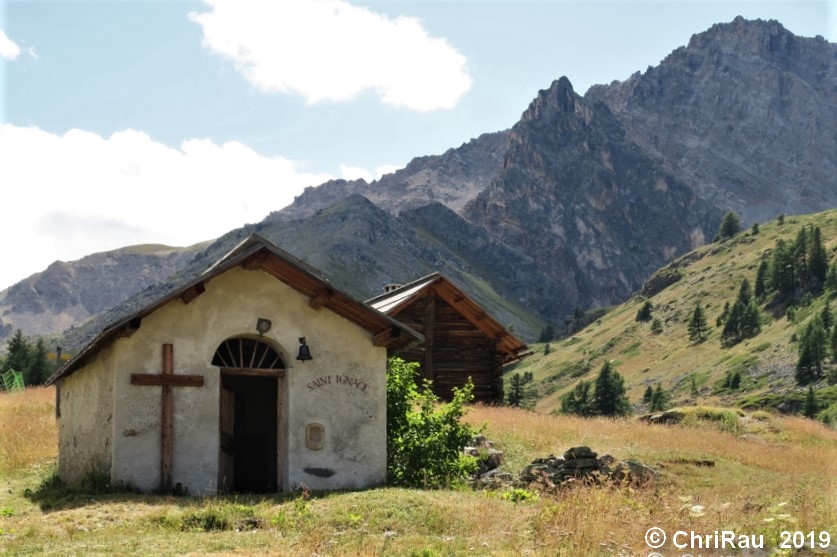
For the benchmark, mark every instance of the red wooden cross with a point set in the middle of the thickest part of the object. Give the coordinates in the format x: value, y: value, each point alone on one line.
x: 167, y: 380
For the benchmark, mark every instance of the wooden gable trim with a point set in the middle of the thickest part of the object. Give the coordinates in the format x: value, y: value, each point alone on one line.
x: 320, y: 299
x: 193, y: 292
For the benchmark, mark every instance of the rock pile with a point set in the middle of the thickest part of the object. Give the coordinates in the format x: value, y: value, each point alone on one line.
x: 583, y: 463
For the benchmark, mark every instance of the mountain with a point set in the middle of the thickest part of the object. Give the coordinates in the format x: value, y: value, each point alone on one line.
x: 744, y: 115
x: 453, y: 179
x: 67, y: 293
x: 576, y: 204
x: 581, y: 196
x: 646, y: 355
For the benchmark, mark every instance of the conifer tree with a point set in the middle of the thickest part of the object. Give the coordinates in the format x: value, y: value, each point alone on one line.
x: 644, y: 313
x: 745, y: 293
x: 697, y: 324
x: 648, y: 395
x: 831, y: 278
x: 817, y: 257
x: 659, y: 400
x: 39, y: 367
x: 760, y: 286
x: 609, y: 398
x: 693, y: 388
x: 724, y: 315
x: 782, y: 270
x: 827, y: 317
x: 730, y: 225
x: 579, y: 401
x: 18, y: 353
x: 810, y: 408
x: 809, y: 366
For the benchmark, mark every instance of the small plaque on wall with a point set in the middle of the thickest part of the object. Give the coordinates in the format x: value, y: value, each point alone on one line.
x: 314, y: 436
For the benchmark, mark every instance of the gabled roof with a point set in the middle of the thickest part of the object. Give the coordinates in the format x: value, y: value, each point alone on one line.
x: 257, y: 253
x: 395, y: 301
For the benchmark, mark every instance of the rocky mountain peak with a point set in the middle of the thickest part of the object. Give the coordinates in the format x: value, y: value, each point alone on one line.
x: 559, y: 97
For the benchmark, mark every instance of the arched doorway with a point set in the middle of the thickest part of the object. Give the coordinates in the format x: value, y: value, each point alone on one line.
x: 250, y: 417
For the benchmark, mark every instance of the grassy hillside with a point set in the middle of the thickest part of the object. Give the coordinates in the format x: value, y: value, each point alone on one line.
x: 770, y: 474
x: 710, y: 275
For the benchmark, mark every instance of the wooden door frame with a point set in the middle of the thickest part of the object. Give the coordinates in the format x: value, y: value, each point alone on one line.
x: 281, y: 420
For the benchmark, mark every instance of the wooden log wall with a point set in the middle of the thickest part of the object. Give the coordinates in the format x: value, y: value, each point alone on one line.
x: 459, y: 350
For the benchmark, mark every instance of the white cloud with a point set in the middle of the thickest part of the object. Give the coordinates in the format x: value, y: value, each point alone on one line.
x: 8, y: 49
x: 330, y: 50
x: 70, y: 195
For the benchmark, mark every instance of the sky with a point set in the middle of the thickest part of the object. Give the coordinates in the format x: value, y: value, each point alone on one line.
x: 172, y: 121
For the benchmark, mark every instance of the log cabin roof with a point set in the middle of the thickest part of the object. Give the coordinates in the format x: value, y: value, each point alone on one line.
x: 395, y: 301
x: 257, y: 253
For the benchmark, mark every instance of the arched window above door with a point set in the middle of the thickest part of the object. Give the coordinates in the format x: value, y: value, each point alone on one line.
x: 247, y: 353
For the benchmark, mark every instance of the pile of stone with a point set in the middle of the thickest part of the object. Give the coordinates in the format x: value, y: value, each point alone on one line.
x: 487, y: 456
x: 581, y: 463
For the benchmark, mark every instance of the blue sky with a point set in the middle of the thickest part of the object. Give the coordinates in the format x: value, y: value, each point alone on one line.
x: 141, y: 121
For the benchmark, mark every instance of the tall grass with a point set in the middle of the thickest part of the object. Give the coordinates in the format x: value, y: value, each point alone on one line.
x: 28, y: 432
x: 770, y: 474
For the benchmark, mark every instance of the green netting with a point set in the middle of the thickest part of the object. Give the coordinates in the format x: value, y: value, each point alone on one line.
x: 12, y: 380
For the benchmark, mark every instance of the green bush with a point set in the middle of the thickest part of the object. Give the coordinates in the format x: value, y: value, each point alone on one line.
x: 425, y: 438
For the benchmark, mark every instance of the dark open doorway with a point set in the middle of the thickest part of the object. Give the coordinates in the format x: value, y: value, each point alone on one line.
x: 248, y: 433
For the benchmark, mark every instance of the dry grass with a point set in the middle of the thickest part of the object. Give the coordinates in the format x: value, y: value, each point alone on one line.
x: 770, y: 474
x: 28, y: 432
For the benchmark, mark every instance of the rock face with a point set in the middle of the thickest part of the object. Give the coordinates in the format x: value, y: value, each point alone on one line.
x: 744, y: 115
x: 578, y: 194
x: 67, y: 293
x: 452, y: 179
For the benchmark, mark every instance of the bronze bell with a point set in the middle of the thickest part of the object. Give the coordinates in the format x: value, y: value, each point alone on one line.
x: 304, y: 351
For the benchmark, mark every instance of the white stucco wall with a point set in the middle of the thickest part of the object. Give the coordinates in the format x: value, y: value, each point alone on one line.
x: 352, y: 412
x: 85, y: 424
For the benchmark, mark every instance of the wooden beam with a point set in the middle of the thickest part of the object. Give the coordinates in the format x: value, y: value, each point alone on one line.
x: 429, y: 328
x: 320, y: 299
x: 148, y: 379
x: 193, y: 292
x: 386, y: 336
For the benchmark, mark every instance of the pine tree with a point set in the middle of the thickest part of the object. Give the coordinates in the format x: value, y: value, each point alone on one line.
x: 831, y: 278
x: 735, y: 380
x: 578, y: 401
x: 827, y: 317
x: 745, y: 293
x: 755, y: 229
x: 515, y: 396
x: 731, y: 333
x: 697, y: 324
x: 693, y: 388
x: 730, y: 225
x: 18, y: 353
x: 750, y: 321
x: 644, y: 313
x: 547, y: 333
x: 760, y: 286
x: 724, y: 315
x: 834, y: 344
x: 659, y: 400
x: 609, y: 398
x: 782, y: 273
x: 648, y: 395
x: 817, y: 257
x: 800, y: 257
x: 809, y: 366
x: 39, y: 367
x: 810, y: 408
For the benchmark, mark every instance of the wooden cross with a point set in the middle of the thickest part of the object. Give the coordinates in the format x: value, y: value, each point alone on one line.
x: 167, y: 380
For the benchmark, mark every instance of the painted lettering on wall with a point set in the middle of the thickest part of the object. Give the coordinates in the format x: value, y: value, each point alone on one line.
x: 342, y: 380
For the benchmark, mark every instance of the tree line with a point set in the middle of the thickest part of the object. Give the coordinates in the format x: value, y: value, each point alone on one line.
x: 30, y: 357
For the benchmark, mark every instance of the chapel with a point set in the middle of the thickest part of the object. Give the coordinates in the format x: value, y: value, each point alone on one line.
x: 256, y: 375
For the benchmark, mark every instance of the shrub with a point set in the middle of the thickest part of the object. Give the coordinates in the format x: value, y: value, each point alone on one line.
x: 425, y: 438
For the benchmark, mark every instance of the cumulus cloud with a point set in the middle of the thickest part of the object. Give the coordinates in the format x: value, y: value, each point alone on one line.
x: 330, y: 50
x: 9, y: 50
x: 74, y: 194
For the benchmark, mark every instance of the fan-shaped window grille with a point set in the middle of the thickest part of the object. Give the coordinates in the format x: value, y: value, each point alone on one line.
x: 247, y: 353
